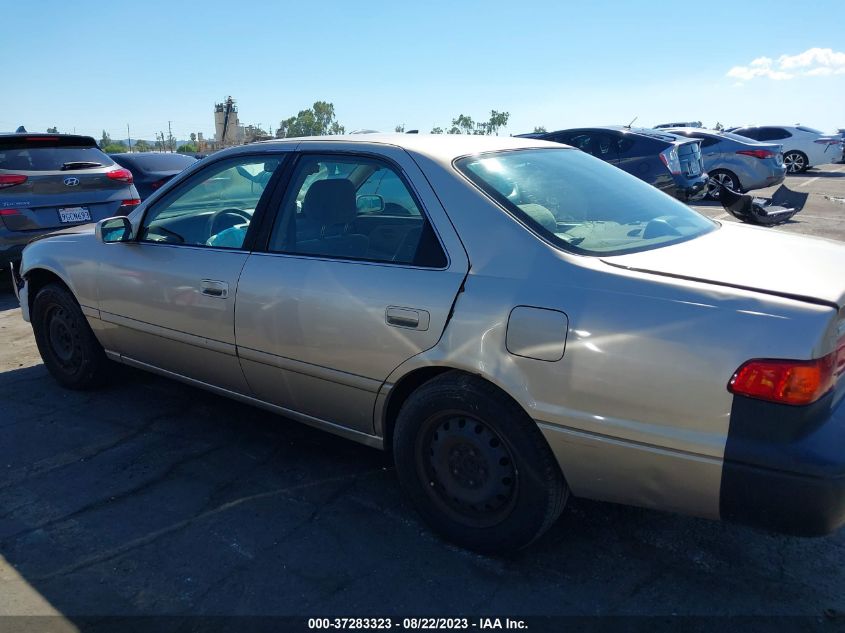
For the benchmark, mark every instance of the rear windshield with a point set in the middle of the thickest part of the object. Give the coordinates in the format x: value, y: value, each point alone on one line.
x: 159, y: 162
x: 583, y: 204
x: 53, y: 158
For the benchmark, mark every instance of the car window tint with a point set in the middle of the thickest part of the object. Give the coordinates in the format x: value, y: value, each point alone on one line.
x: 748, y: 132
x: 214, y: 208
x: 581, y: 204
x: 53, y: 158
x: 353, y: 208
x: 772, y: 134
x: 706, y: 141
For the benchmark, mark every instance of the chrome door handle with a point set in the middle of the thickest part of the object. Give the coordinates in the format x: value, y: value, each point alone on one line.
x: 213, y: 288
x: 411, y: 318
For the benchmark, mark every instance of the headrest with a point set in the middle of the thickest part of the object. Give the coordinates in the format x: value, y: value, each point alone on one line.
x: 330, y: 202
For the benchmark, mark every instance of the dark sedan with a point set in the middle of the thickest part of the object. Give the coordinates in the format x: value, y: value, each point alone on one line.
x: 152, y: 169
x: 671, y: 163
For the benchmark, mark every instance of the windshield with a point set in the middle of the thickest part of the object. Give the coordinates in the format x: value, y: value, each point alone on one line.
x: 581, y: 203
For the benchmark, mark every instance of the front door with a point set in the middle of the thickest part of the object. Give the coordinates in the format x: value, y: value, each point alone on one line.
x: 170, y: 295
x: 360, y: 273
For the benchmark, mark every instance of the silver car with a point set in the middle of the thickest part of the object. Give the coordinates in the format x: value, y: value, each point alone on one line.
x: 517, y: 321
x: 741, y: 164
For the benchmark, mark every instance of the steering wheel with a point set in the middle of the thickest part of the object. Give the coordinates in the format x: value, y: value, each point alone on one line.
x: 235, y: 217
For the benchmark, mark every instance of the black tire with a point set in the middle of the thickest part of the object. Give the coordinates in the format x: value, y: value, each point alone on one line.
x: 719, y: 178
x: 475, y: 465
x: 68, y: 347
x: 796, y: 162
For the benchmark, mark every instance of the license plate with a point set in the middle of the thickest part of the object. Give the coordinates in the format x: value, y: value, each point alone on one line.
x: 74, y: 214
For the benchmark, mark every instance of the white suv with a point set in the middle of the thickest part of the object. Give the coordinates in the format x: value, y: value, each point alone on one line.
x: 803, y: 147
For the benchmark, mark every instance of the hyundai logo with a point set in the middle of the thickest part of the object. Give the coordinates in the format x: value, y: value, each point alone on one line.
x: 71, y: 181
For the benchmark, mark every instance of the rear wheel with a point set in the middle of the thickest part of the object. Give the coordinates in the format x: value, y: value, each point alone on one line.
x: 475, y: 466
x: 721, y: 178
x: 68, y: 347
x: 795, y: 162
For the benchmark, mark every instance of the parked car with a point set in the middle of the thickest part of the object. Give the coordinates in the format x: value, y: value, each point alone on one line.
x: 152, y: 169
x: 516, y: 320
x: 52, y: 180
x: 736, y: 162
x: 803, y: 147
x: 679, y: 124
x: 669, y: 162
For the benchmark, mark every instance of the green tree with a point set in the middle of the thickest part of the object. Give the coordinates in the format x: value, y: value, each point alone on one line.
x: 52, y: 130
x: 318, y: 120
x: 106, y: 140
x: 114, y: 148
x: 497, y: 121
x: 399, y: 128
x: 437, y: 130
x: 142, y: 146
x: 187, y: 148
x: 540, y: 129
x: 463, y: 124
x: 193, y: 137
x: 718, y: 127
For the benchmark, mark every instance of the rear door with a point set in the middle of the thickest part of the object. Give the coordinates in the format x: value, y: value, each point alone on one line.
x: 64, y: 181
x: 360, y: 272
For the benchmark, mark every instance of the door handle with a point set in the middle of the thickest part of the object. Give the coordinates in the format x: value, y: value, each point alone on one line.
x: 213, y: 288
x: 411, y: 318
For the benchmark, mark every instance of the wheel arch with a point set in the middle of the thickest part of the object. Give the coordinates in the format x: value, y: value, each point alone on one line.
x: 39, y: 277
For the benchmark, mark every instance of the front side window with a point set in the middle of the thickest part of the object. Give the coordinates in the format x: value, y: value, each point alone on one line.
x: 582, y: 204
x: 355, y: 208
x: 772, y: 134
x: 214, y: 208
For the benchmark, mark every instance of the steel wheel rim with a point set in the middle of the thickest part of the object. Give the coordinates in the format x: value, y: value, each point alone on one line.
x: 61, y: 338
x: 467, y: 468
x: 794, y: 162
x: 715, y: 184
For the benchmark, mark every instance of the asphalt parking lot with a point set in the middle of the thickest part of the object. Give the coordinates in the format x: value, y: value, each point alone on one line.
x: 153, y: 498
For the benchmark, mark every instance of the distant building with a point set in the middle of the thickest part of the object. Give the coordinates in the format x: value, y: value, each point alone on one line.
x: 228, y: 130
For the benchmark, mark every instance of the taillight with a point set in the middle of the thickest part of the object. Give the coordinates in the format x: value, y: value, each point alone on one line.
x: 134, y: 202
x: 795, y: 382
x: 121, y: 174
x: 10, y: 180
x: 7, y: 212
x: 670, y: 159
x: 756, y: 153
x: 828, y: 141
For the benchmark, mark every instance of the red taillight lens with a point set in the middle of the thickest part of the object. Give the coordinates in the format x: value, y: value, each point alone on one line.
x: 795, y: 382
x: 134, y: 202
x: 123, y: 175
x: 756, y: 153
x: 827, y: 141
x: 10, y: 180
x: 9, y: 212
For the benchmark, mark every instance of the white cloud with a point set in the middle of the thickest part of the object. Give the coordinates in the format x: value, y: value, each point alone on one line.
x: 813, y: 62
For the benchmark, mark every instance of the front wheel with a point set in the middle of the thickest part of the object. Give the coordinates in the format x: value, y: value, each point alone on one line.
x: 67, y: 345
x: 795, y: 162
x: 475, y: 466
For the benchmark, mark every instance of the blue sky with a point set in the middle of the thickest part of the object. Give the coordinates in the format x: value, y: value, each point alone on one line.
x: 100, y: 65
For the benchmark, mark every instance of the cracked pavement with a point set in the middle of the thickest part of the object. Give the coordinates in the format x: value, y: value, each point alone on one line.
x: 150, y: 498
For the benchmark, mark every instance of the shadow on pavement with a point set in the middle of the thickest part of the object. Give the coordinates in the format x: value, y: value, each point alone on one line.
x: 149, y: 498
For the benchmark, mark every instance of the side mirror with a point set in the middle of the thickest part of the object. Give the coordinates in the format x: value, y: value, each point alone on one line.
x: 117, y: 229
x: 370, y: 204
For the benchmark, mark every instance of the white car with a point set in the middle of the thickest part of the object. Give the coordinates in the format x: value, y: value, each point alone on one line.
x: 803, y: 147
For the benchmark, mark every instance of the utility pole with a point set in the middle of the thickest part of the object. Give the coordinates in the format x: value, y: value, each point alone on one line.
x: 129, y: 137
x: 170, y: 136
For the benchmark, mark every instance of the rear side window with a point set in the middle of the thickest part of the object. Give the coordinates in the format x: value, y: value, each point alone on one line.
x: 53, y: 158
x: 354, y: 208
x: 748, y: 132
x: 772, y: 134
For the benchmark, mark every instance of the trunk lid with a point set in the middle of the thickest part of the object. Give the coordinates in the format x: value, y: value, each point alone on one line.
x: 805, y: 268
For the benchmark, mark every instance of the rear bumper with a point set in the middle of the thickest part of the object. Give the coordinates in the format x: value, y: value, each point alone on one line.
x: 691, y: 190
x: 784, y: 466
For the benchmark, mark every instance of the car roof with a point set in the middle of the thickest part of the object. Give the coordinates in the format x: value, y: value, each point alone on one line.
x: 662, y: 135
x: 81, y: 138
x: 441, y: 147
